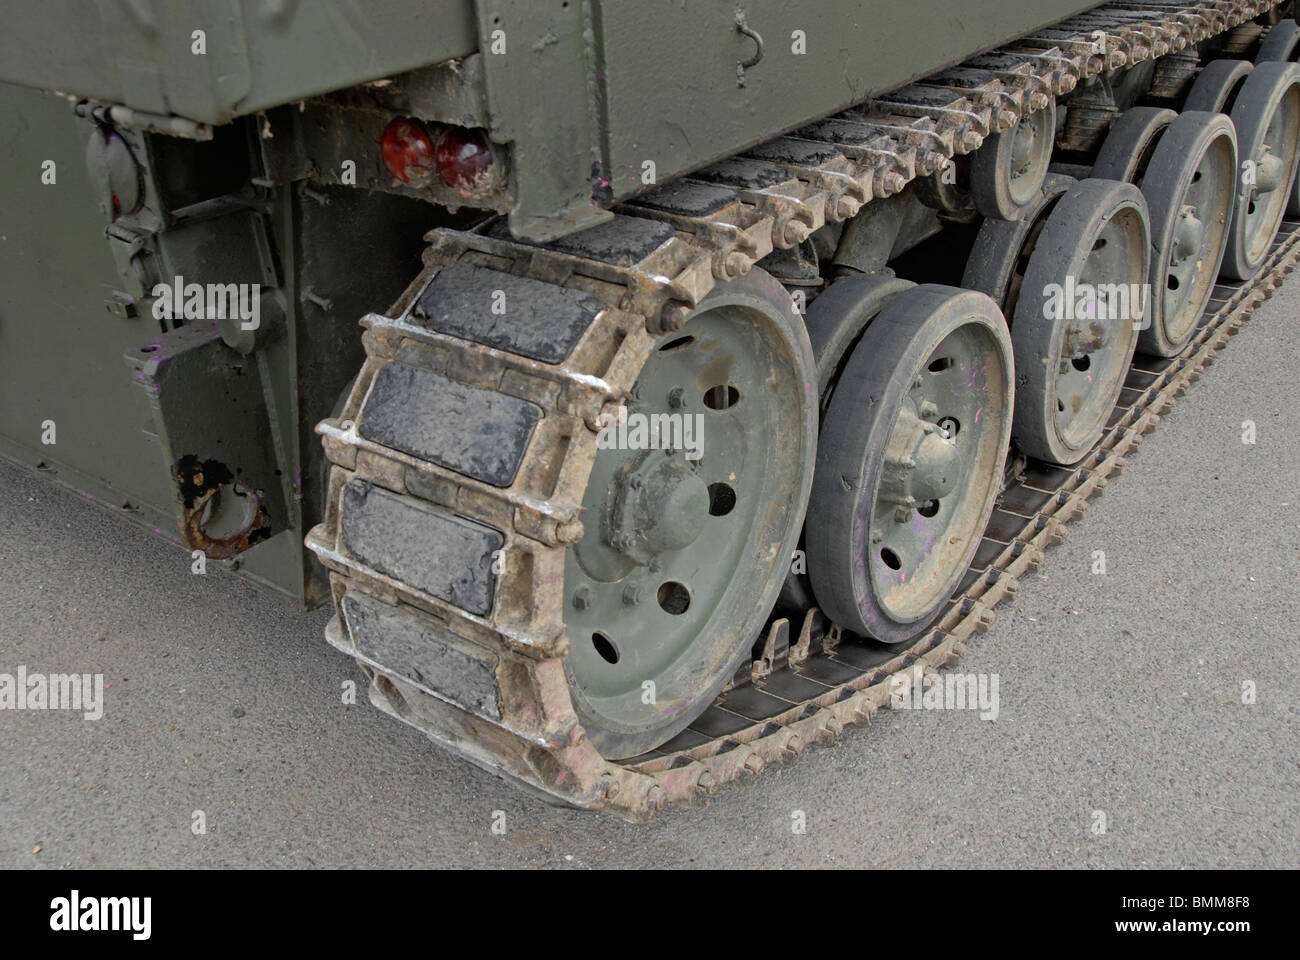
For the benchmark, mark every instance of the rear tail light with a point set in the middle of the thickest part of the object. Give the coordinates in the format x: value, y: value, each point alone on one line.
x: 407, y: 151
x: 462, y: 157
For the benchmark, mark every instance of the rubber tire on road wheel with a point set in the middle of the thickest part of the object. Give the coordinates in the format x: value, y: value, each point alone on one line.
x: 835, y: 322
x: 995, y: 256
x: 1131, y: 143
x: 1269, y: 87
x: 1067, y: 239
x: 836, y: 319
x: 1218, y: 82
x: 1282, y: 43
x: 1169, y: 177
x: 863, y: 411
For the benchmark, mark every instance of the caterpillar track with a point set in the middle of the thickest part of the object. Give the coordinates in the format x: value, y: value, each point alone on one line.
x: 464, y: 448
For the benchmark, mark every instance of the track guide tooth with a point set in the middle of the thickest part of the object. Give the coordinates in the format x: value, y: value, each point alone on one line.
x: 1058, y: 72
x: 824, y: 167
x: 714, y: 216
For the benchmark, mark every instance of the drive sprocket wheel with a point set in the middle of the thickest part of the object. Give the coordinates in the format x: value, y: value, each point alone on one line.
x: 910, y: 461
x: 687, y: 542
x: 1073, y: 342
x: 1267, y: 118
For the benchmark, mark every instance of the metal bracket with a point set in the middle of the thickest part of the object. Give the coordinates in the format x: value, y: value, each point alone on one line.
x: 535, y: 56
x: 223, y: 463
x: 119, y: 115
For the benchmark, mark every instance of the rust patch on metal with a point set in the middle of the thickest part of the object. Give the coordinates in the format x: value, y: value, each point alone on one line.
x: 199, y: 482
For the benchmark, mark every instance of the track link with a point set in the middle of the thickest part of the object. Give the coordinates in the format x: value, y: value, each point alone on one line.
x: 462, y: 453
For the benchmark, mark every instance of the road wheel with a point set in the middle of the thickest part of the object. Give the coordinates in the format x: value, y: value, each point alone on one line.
x: 1076, y: 319
x: 687, y: 544
x: 910, y: 461
x: 1267, y: 118
x: 1189, y: 188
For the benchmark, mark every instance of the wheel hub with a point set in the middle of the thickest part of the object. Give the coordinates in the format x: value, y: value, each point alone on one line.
x: 661, y: 505
x: 1268, y: 175
x: 1191, y: 238
x: 922, y: 462
x: 1022, y: 149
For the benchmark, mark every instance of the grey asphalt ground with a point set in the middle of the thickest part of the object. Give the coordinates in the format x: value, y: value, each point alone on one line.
x: 1120, y: 693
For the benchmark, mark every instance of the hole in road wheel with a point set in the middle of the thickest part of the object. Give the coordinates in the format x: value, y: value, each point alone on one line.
x: 674, y: 598
x: 605, y: 647
x: 1250, y: 211
x: 950, y: 424
x: 1060, y: 407
x: 940, y: 365
x: 1172, y: 283
x: 677, y: 344
x: 722, y: 397
x: 1196, y: 177
x: 1099, y: 245
x: 929, y: 508
x: 891, y: 559
x: 1081, y: 363
x: 722, y: 499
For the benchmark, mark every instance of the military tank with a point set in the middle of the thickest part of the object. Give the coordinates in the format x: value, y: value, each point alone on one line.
x: 716, y: 368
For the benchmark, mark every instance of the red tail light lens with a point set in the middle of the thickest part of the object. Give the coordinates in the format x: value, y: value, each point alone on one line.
x: 407, y: 151
x: 464, y: 159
